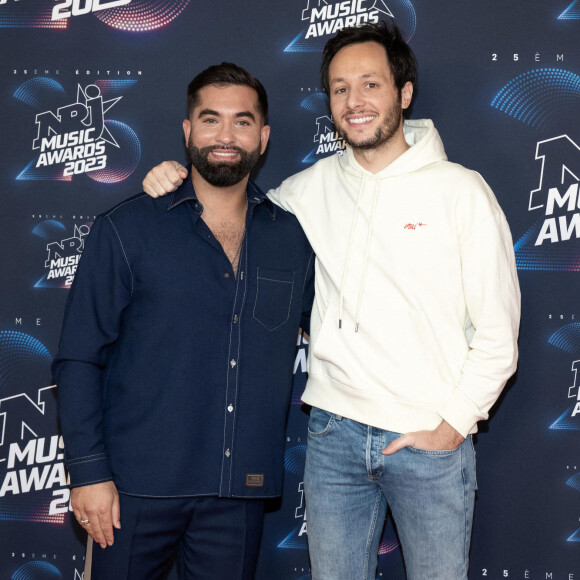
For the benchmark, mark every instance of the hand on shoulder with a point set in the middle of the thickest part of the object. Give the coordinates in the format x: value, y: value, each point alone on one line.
x: 164, y: 178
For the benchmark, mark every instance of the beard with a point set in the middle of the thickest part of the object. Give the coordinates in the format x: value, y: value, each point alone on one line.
x: 383, y: 134
x: 222, y: 174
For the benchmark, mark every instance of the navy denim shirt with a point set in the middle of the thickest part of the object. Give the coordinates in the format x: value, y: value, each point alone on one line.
x: 174, y: 376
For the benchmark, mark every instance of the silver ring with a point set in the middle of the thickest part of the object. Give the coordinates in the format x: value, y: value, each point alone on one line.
x: 84, y: 522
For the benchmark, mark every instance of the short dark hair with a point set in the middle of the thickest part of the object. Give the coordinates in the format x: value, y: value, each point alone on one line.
x: 225, y: 74
x: 401, y: 59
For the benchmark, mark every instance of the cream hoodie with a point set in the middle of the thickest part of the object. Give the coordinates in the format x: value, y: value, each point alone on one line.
x: 417, y: 302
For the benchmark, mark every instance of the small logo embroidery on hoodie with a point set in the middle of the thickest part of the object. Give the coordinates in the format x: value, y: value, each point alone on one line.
x: 413, y: 226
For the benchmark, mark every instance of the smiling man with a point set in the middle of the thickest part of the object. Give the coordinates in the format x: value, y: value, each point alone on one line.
x: 175, y: 364
x: 414, y: 324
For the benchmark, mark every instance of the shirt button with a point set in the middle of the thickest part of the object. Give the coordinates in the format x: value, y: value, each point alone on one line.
x: 235, y: 318
x: 230, y: 407
x: 227, y: 275
x: 232, y: 363
x: 228, y: 453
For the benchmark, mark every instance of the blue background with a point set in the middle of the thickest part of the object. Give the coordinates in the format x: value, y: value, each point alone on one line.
x: 482, y: 65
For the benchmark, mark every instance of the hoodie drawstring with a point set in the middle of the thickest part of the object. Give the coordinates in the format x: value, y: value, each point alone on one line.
x: 366, y: 258
x: 366, y: 254
x: 350, y: 242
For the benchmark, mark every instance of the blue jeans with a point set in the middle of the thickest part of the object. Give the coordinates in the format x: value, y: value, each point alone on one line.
x: 349, y: 484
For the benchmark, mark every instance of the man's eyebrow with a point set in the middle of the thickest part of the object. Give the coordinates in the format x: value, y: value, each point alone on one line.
x: 246, y: 114
x: 208, y: 112
x: 363, y: 76
x: 213, y: 113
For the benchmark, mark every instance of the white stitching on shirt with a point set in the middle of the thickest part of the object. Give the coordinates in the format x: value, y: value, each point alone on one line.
x: 123, y: 250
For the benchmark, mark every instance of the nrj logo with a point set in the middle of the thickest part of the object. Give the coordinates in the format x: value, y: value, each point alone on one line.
x: 70, y: 8
x: 567, y: 339
x: 136, y: 16
x: 557, y: 192
x: 324, y: 18
x: 32, y: 459
x: 77, y: 138
x: 32, y: 475
x: 294, y: 460
x: 328, y: 18
x: 556, y: 202
x: 569, y: 420
x: 326, y: 139
x: 329, y: 141
x: 574, y: 390
x: 62, y: 255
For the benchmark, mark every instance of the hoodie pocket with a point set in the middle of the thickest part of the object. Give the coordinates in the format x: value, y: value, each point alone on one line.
x: 274, y: 291
x: 392, y: 354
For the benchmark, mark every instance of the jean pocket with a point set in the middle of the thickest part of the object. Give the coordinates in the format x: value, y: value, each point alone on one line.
x: 433, y: 452
x: 320, y: 422
x: 273, y: 297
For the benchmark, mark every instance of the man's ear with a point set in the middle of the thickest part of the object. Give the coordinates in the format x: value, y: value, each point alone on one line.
x: 264, y: 136
x: 186, y: 129
x: 406, y: 95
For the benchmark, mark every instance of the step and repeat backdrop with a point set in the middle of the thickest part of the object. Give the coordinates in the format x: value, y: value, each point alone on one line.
x: 92, y: 94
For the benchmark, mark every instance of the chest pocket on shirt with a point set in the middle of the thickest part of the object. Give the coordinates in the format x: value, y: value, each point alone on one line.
x: 273, y: 297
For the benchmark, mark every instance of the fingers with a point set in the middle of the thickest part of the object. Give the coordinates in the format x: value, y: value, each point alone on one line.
x: 90, y: 521
x: 182, y: 171
x: 157, y: 185
x: 164, y: 178
x: 442, y: 438
x: 97, y: 509
x: 98, y: 526
x: 98, y: 531
x: 116, y: 512
x: 103, y: 530
x: 397, y: 444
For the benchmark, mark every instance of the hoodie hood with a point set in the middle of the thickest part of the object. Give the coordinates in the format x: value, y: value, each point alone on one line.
x: 426, y: 148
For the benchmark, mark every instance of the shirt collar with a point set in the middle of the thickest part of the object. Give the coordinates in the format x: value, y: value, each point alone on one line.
x: 185, y: 192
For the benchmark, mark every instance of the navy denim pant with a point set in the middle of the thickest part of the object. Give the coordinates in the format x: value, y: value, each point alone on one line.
x: 215, y: 538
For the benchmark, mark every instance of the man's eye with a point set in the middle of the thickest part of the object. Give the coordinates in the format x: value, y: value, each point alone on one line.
x: 339, y: 91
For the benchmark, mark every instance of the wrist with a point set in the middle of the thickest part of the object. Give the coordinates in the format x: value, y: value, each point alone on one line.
x: 447, y: 433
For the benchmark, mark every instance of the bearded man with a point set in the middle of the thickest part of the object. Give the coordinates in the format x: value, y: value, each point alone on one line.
x: 175, y: 362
